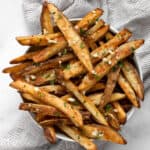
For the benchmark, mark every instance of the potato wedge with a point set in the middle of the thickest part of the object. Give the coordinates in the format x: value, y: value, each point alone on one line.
x: 125, y: 86
x: 75, y: 42
x: 89, y: 19
x: 104, y: 67
x: 49, y: 99
x: 87, y: 103
x: 78, y: 137
x: 45, y: 19
x: 103, y: 133
x: 50, y: 134
x: 77, y: 68
x: 133, y: 78
x: 112, y: 78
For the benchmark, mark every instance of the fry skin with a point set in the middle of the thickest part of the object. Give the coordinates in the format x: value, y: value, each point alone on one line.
x: 74, y: 40
x: 133, y: 78
x: 50, y: 99
x: 104, y: 67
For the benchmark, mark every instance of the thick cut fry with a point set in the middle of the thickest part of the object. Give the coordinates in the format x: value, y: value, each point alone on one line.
x: 39, y: 40
x: 103, y: 133
x: 112, y: 78
x: 24, y: 57
x: 87, y: 103
x: 50, y: 134
x: 78, y: 137
x: 77, y: 68
x: 133, y: 78
x: 49, y: 99
x: 120, y: 112
x: 97, y: 25
x: 128, y: 90
x: 49, y: 64
x: 17, y: 68
x: 75, y: 42
x: 50, y: 50
x: 89, y: 19
x: 97, y: 97
x: 104, y: 67
x: 46, y: 23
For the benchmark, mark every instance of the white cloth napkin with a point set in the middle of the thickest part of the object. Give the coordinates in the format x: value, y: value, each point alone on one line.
x: 132, y: 14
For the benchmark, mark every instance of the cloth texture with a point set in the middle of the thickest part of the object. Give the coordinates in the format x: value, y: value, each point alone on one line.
x: 131, y: 14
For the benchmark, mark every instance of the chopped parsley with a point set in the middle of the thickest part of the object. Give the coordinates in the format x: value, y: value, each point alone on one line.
x: 120, y: 64
x: 36, y: 64
x: 114, y: 68
x: 97, y: 77
x: 97, y: 19
x: 132, y: 49
x: 57, y: 114
x: 65, y: 66
x: 108, y: 107
x: 41, y: 94
x: 78, y: 137
x: 65, y: 104
x: 64, y: 51
x: 82, y: 31
x: 53, y: 13
x: 82, y: 45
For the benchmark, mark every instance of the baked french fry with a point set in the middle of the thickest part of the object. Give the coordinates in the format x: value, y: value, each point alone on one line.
x: 125, y: 86
x: 39, y: 40
x: 89, y: 19
x: 95, y: 27
x: 112, y: 78
x: 46, y: 23
x: 97, y: 97
x: 109, y: 62
x: 103, y: 133
x: 120, y: 112
x: 133, y: 78
x: 17, y: 68
x: 74, y: 40
x: 50, y: 134
x: 78, y: 137
x: 50, y: 50
x: 49, y: 99
x: 87, y: 103
x: 77, y: 68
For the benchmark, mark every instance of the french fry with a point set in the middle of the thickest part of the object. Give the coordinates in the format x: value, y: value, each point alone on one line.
x: 46, y: 23
x: 50, y: 50
x: 78, y: 137
x: 75, y: 42
x: 103, y: 133
x: 17, y: 68
x: 133, y: 78
x: 97, y: 97
x: 88, y: 19
x: 49, y: 99
x: 112, y: 78
x: 39, y: 40
x: 97, y: 26
x: 97, y: 87
x: 50, y: 134
x: 125, y: 86
x: 77, y: 68
x: 29, y: 97
x: 104, y: 67
x: 108, y: 36
x: 87, y: 103
x: 101, y: 43
x: 120, y: 112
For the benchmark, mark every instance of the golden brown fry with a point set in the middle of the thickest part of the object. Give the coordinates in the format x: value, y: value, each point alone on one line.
x: 97, y: 87
x: 75, y: 42
x: 101, y: 43
x: 104, y: 67
x: 87, y: 103
x: 29, y: 97
x: 17, y: 68
x: 39, y: 40
x: 50, y: 50
x: 97, y: 97
x: 50, y: 134
x: 78, y: 137
x: 49, y: 99
x: 97, y: 26
x: 89, y: 19
x: 128, y: 90
x: 108, y: 36
x: 112, y: 78
x: 46, y: 23
x: 120, y: 112
x: 133, y: 78
x: 103, y: 133
x: 77, y: 68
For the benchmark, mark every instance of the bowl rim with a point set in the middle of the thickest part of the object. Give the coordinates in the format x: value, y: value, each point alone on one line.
x: 129, y: 114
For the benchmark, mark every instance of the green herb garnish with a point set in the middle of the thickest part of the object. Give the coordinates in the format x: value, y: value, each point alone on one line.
x: 64, y: 51
x: 65, y: 66
x: 52, y: 82
x: 97, y: 19
x: 65, y: 104
x: 108, y: 107
x: 36, y: 64
x: 132, y: 49
x: 78, y: 137
x: 120, y: 64
x: 82, y: 45
x: 41, y: 94
x: 97, y: 77
x: 82, y: 32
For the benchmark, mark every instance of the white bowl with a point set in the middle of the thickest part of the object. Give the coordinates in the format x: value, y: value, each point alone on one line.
x: 129, y: 114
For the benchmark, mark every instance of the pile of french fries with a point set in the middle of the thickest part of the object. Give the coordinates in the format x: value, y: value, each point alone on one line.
x: 78, y: 77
